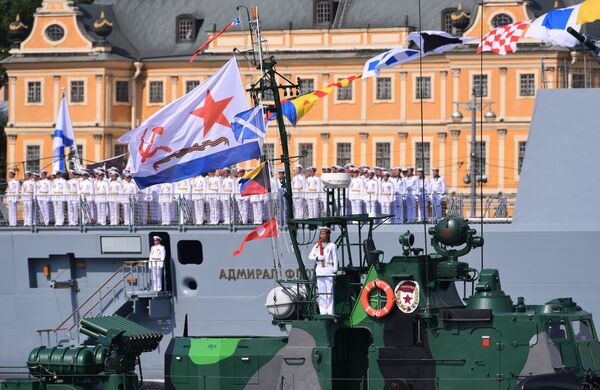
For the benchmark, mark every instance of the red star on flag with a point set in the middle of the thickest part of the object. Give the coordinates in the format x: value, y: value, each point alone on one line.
x: 212, y: 112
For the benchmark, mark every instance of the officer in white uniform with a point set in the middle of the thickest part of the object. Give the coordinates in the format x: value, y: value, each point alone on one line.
x: 165, y: 198
x: 399, y: 192
x: 314, y: 189
x: 59, y: 190
x: 100, y: 197
x: 438, y: 189
x: 386, y: 195
x: 422, y: 195
x: 130, y: 193
x: 299, y: 192
x: 241, y: 201
x: 324, y: 254
x: 410, y: 182
x: 198, y: 194
x: 157, y: 263
x: 213, y: 189
x: 87, y: 190
x: 115, y: 193
x: 371, y: 193
x: 27, y: 195
x: 183, y: 194
x: 356, y: 192
x: 12, y: 196
x: 43, y: 186
x: 73, y: 198
x: 227, y: 188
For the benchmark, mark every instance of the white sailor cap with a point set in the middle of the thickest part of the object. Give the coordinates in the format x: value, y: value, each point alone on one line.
x: 325, y: 228
x: 370, y: 171
x: 326, y: 168
x: 226, y: 169
x: 127, y: 174
x: 12, y: 171
x: 281, y: 170
x: 37, y: 174
x: 157, y: 238
x: 355, y: 170
x: 419, y: 169
x: 386, y: 173
x: 404, y: 169
x: 114, y: 169
x: 27, y: 173
x: 300, y: 167
x: 435, y: 169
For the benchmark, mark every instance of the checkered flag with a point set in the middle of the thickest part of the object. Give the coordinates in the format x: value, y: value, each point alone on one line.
x: 503, y: 40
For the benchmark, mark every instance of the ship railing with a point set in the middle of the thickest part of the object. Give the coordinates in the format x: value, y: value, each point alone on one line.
x: 139, y: 280
x: 109, y: 292
x: 224, y: 210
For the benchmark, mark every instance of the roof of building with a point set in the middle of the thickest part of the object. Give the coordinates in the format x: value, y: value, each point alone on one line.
x: 146, y: 29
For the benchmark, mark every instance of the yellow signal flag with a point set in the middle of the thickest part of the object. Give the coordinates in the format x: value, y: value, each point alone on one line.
x: 589, y: 11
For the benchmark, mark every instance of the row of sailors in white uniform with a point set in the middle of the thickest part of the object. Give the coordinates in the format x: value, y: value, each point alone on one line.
x: 104, y: 195
x: 388, y: 193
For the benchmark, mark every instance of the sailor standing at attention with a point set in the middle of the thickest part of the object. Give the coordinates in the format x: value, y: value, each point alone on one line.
x: 73, y: 198
x: 12, y: 196
x: 314, y: 188
x: 115, y: 193
x: 59, y: 190
x: 213, y: 190
x: 227, y: 188
x: 438, y: 188
x: 386, y: 196
x: 410, y: 182
x: 101, y: 191
x: 27, y: 194
x: 324, y: 254
x: 165, y: 198
x: 199, y: 190
x: 356, y: 192
x: 43, y: 196
x: 157, y: 263
x: 299, y: 192
x: 371, y: 193
x: 130, y: 195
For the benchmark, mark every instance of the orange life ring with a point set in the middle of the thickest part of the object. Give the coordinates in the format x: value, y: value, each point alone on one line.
x: 389, y: 294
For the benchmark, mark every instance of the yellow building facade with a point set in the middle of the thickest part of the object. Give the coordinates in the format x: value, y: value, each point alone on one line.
x: 381, y: 121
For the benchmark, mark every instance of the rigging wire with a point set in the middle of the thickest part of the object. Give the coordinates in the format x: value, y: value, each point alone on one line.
x: 480, y: 166
x: 423, y: 195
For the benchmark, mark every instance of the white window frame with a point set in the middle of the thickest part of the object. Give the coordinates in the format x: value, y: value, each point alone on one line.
x: 314, y: 80
x: 415, y: 76
x: 431, y: 142
x: 186, y: 80
x: 85, y: 91
x: 114, y: 100
x: 336, y: 79
x: 26, y: 94
x: 516, y: 139
x: 343, y: 141
x: 518, y: 74
x: 50, y: 23
x: 164, y: 83
x: 488, y: 73
x: 486, y: 139
x: 392, y: 98
x: 33, y: 143
x: 383, y: 140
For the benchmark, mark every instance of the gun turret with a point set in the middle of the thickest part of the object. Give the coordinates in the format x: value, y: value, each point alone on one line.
x: 590, y: 43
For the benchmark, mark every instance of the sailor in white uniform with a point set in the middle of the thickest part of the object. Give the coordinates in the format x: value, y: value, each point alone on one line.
x: 87, y: 189
x: 314, y: 189
x: 422, y: 195
x: 73, y: 198
x: 12, y: 196
x: 115, y: 191
x: 371, y: 193
x: 299, y: 192
x: 410, y: 182
x: 356, y: 192
x: 198, y: 194
x: 227, y: 188
x: 130, y: 193
x: 157, y: 263
x: 438, y: 189
x: 165, y: 198
x: 100, y: 197
x: 43, y: 186
x: 27, y: 194
x: 324, y: 254
x: 386, y: 195
x: 183, y: 193
x: 59, y: 190
x: 241, y: 201
x: 213, y: 189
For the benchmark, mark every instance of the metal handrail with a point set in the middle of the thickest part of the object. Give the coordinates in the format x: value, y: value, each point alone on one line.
x: 89, y: 298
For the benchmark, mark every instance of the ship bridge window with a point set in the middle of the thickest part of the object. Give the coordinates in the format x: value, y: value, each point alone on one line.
x: 557, y: 332
x: 190, y: 252
x: 582, y: 329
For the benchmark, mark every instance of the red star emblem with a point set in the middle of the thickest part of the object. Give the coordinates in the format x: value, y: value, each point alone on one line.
x: 407, y: 299
x: 212, y: 112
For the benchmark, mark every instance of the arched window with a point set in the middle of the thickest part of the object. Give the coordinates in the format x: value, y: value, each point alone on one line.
x: 185, y: 28
x: 447, y: 20
x: 323, y: 12
x: 501, y: 20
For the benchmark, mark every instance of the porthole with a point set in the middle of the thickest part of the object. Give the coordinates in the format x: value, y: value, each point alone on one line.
x: 54, y: 32
x: 501, y: 20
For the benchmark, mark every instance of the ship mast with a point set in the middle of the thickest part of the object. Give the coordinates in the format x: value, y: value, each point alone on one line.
x: 268, y: 82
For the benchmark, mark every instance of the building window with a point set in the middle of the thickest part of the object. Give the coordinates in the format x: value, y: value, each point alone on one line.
x: 72, y: 157
x: 527, y: 84
x: 344, y: 93
x: 323, y: 12
x: 423, y: 90
x: 480, y: 85
x: 501, y: 20
x: 122, y: 91
x: 77, y: 91
x: 383, y: 88
x: 578, y: 80
x: 32, y: 158
x: 480, y: 158
x: 190, y: 85
x: 521, y: 145
x: 269, y: 151
x: 383, y: 154
x: 344, y: 153
x: 423, y: 156
x: 34, y: 92
x: 121, y: 149
x: 447, y: 20
x: 185, y: 29
x: 307, y: 85
x: 156, y: 91
x: 306, y: 155
x: 54, y: 32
